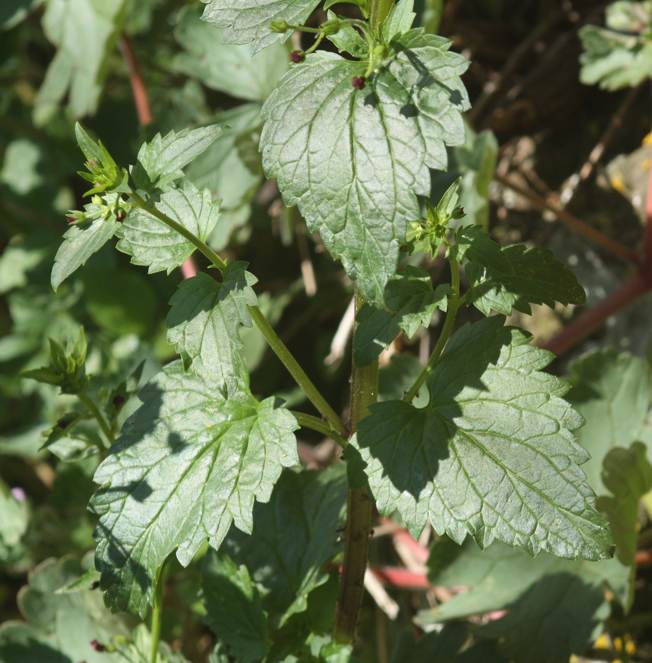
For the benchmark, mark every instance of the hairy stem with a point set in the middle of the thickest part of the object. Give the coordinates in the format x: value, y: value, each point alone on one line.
x: 95, y: 411
x: 378, y: 13
x: 447, y: 330
x: 274, y: 341
x: 364, y: 392
x: 320, y: 426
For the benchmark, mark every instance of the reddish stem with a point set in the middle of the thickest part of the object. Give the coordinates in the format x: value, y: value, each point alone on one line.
x: 400, y: 577
x: 648, y: 224
x: 591, y: 320
x: 138, y: 88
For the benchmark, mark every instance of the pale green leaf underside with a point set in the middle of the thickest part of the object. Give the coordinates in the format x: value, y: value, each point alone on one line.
x: 229, y: 68
x: 204, y: 323
x: 248, y: 21
x: 492, y: 455
x: 188, y: 465
x: 78, y: 245
x: 620, y: 55
x: 410, y: 302
x: 354, y: 161
x: 163, y: 157
x: 627, y: 474
x: 83, y: 31
x: 539, y: 595
x: 155, y: 245
x: 612, y: 393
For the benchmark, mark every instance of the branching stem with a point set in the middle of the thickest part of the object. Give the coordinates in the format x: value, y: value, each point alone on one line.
x: 320, y: 426
x: 273, y: 339
x: 89, y: 404
x: 447, y: 330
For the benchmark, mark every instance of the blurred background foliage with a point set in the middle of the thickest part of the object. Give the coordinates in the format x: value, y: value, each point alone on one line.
x: 561, y: 121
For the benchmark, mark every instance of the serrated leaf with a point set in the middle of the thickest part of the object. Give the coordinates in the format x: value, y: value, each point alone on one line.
x: 410, y: 303
x: 229, y: 68
x: 555, y: 606
x: 514, y: 277
x: 293, y: 538
x: 189, y: 464
x: 151, y: 243
x: 234, y: 609
x: 620, y: 55
x: 83, y: 32
x: 399, y: 20
x: 162, y: 159
x: 251, y: 23
x: 612, y: 392
x: 204, y: 322
x: 354, y: 161
x: 79, y: 244
x: 627, y: 474
x: 493, y: 454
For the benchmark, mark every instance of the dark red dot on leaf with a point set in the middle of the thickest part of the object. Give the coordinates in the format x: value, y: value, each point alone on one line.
x: 297, y: 56
x: 118, y: 401
x: 358, y: 82
x: 97, y: 646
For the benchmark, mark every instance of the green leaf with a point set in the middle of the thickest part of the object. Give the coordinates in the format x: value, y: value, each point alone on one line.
x: 189, y: 464
x: 493, y: 454
x: 151, y: 243
x: 410, y: 302
x: 292, y: 539
x: 612, y: 392
x: 79, y: 244
x: 251, y: 24
x: 84, y: 33
x: 162, y: 159
x: 621, y: 55
x: 234, y: 608
x: 60, y: 627
x: 441, y: 646
x: 400, y: 20
x: 514, y: 277
x: 555, y: 607
x: 222, y: 170
x: 354, y: 161
x: 204, y: 322
x: 348, y: 39
x: 228, y: 68
x: 474, y: 164
x: 627, y: 474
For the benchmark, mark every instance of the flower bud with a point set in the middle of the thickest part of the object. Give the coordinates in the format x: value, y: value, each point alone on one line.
x: 279, y: 26
x: 297, y: 56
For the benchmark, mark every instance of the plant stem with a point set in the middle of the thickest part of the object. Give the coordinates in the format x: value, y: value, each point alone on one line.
x: 202, y: 247
x: 364, y: 392
x: 274, y: 341
x: 320, y: 426
x: 157, y: 613
x: 294, y: 368
x: 378, y: 13
x: 447, y: 330
x: 95, y: 411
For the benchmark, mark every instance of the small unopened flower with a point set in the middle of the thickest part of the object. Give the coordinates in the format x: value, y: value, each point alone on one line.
x: 297, y: 56
x: 359, y: 82
x: 97, y: 646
